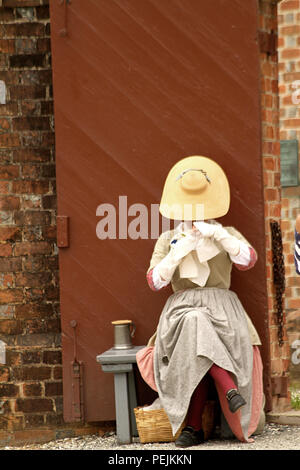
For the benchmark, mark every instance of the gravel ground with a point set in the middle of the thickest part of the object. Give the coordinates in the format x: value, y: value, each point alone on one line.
x: 274, y: 437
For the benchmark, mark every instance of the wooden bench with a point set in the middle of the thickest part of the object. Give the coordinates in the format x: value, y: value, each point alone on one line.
x: 120, y: 362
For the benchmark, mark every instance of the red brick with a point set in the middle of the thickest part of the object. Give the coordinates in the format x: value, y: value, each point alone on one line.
x: 31, y: 373
x: 34, y: 263
x: 33, y: 405
x: 31, y: 357
x: 32, y: 435
x: 13, y: 358
x: 4, y: 124
x: 50, y: 232
x: 53, y: 389
x: 11, y: 295
x: 4, y: 374
x: 11, y: 327
x: 25, y: 60
x: 32, y: 389
x: 34, y: 421
x: 9, y: 203
x: 290, y: 53
x: 52, y: 357
x: 27, y: 92
x: 33, y: 279
x: 290, y: 30
x: 33, y: 172
x: 36, y: 326
x: 30, y: 187
x: 57, y: 372
x: 20, y: 3
x: 8, y: 390
x: 271, y: 194
x: 12, y: 30
x: 31, y: 155
x: 33, y: 310
x: 291, y: 77
x: 31, y: 123
x: 48, y: 139
x: 5, y: 187
x: 291, y: 123
x: 293, y: 303
x: 9, y: 171
x: 289, y: 5
x: 269, y: 163
x: 7, y: 46
x: 6, y: 14
x: 31, y: 248
x: 9, y: 140
x: 10, y: 264
x: 9, y: 109
x: 7, y: 279
x: 5, y: 249
x: 32, y: 218
x: 275, y: 210
x: 11, y: 234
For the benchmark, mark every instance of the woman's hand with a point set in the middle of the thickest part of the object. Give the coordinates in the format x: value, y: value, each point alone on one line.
x: 205, y: 229
x: 183, y: 246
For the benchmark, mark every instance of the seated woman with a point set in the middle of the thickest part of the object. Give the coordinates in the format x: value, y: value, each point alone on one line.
x: 297, y: 245
x: 203, y: 328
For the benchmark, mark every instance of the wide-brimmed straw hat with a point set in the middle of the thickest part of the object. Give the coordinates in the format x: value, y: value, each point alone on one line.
x: 196, y: 188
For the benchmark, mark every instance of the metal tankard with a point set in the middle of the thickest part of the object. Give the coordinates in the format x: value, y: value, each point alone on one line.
x: 123, y: 332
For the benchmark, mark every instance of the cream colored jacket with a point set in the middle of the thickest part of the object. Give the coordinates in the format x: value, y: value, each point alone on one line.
x: 220, y: 272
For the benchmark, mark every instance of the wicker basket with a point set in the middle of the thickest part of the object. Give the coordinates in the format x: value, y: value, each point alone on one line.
x: 154, y: 425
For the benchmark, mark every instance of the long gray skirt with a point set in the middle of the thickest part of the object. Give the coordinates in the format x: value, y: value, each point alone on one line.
x: 197, y: 328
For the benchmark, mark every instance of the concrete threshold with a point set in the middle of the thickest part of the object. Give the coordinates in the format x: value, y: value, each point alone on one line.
x: 286, y: 417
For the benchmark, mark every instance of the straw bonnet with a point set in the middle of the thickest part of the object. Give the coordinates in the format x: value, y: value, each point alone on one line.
x: 196, y: 188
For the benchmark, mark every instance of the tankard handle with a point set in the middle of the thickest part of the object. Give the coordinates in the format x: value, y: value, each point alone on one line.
x: 133, y: 329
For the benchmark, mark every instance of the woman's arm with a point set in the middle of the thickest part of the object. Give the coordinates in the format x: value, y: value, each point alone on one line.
x: 165, y: 259
x: 241, y: 253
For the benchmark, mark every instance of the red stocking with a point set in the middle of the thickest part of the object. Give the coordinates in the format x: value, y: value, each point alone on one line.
x: 197, y: 404
x: 222, y: 377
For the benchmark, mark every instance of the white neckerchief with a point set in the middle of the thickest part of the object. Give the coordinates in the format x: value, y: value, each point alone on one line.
x: 194, y: 266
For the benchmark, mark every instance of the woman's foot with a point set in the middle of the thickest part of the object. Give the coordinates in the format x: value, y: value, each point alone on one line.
x: 189, y: 437
x: 235, y: 400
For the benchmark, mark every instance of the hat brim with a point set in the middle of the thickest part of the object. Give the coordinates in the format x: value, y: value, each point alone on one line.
x: 211, y: 201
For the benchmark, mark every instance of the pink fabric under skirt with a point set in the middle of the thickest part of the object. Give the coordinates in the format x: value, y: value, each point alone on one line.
x: 145, y: 358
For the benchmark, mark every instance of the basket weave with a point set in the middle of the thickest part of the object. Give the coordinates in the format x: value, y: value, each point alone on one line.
x: 154, y: 425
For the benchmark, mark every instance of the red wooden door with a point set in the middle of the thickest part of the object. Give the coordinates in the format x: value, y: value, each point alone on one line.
x: 138, y: 85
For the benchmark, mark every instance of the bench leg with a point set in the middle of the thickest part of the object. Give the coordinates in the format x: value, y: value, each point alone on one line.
x: 122, y: 408
x: 132, y: 402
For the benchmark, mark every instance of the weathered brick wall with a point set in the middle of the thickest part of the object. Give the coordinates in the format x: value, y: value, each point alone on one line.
x: 31, y: 386
x: 289, y: 92
x: 279, y: 356
x: 31, y: 378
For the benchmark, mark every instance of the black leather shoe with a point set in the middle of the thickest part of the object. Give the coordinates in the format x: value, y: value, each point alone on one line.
x: 189, y: 437
x: 235, y: 400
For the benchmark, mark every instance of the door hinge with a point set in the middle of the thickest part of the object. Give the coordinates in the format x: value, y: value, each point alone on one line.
x: 77, y: 385
x: 77, y: 382
x: 267, y: 42
x: 64, y: 31
x: 280, y: 386
x: 62, y: 227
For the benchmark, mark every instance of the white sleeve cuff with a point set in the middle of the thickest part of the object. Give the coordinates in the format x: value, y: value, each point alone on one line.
x: 244, y: 256
x: 157, y: 281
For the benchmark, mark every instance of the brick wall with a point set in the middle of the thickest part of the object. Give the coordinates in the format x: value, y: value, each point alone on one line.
x: 31, y: 378
x: 279, y: 356
x: 289, y: 73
